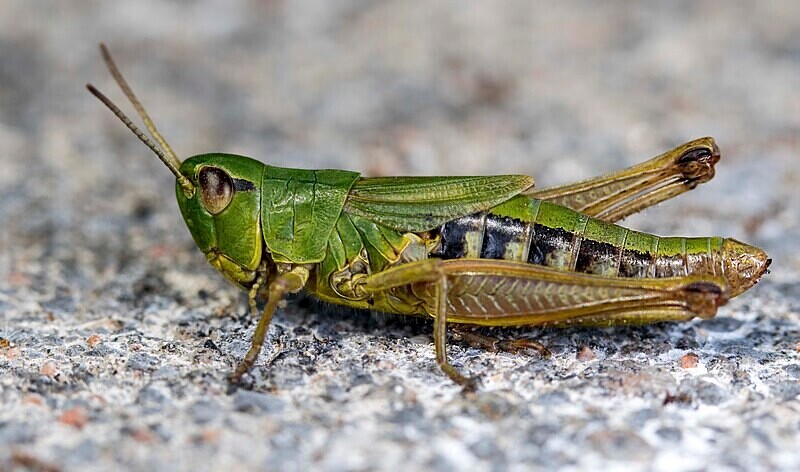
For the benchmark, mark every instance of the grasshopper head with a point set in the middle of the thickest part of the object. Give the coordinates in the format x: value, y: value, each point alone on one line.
x: 218, y: 194
x: 223, y: 213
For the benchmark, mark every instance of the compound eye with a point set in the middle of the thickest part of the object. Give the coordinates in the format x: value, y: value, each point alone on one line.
x: 216, y: 189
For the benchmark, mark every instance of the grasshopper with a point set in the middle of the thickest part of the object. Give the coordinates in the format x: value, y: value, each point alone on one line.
x: 465, y: 251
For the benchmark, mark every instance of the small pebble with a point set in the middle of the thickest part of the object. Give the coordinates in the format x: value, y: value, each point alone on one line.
x: 207, y: 436
x: 75, y: 417
x: 586, y: 354
x: 33, y: 399
x: 689, y: 361
x: 143, y: 435
x: 11, y: 353
x: 93, y: 340
x: 49, y: 369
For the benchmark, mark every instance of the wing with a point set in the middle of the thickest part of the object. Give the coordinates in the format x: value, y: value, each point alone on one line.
x: 423, y: 203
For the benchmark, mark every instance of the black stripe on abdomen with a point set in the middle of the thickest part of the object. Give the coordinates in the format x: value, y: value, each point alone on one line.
x: 550, y: 246
x: 636, y: 264
x: 459, y: 236
x: 504, y: 238
x: 597, y: 257
x: 484, y: 236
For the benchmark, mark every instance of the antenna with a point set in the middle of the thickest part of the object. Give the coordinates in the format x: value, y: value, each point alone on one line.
x: 168, y: 156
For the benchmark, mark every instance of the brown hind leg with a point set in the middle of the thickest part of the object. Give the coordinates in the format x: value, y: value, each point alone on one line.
x: 614, y: 196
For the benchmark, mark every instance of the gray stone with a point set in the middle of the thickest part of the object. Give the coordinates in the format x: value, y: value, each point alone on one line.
x: 670, y: 434
x: 142, y: 361
x: 621, y: 444
x: 793, y: 371
x: 787, y: 390
x: 254, y: 402
x: 204, y: 411
x: 703, y: 391
x: 13, y: 432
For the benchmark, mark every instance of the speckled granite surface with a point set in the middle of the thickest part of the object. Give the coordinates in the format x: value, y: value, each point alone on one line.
x: 117, y: 337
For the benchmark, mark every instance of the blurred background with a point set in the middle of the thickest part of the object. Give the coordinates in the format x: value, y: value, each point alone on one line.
x: 116, y: 336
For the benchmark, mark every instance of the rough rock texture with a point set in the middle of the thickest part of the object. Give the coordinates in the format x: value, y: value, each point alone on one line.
x: 116, y: 337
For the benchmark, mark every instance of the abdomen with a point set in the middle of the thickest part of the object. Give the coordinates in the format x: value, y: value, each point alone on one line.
x: 539, y: 232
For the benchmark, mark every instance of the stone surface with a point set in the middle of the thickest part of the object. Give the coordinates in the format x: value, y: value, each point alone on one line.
x: 117, y: 337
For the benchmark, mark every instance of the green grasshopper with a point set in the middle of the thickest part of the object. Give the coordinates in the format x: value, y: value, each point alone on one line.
x: 467, y: 251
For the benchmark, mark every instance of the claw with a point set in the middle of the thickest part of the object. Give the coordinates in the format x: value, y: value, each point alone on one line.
x: 243, y: 368
x: 471, y: 384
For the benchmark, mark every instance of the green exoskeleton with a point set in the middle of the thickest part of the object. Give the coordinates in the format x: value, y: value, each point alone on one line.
x: 466, y: 251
